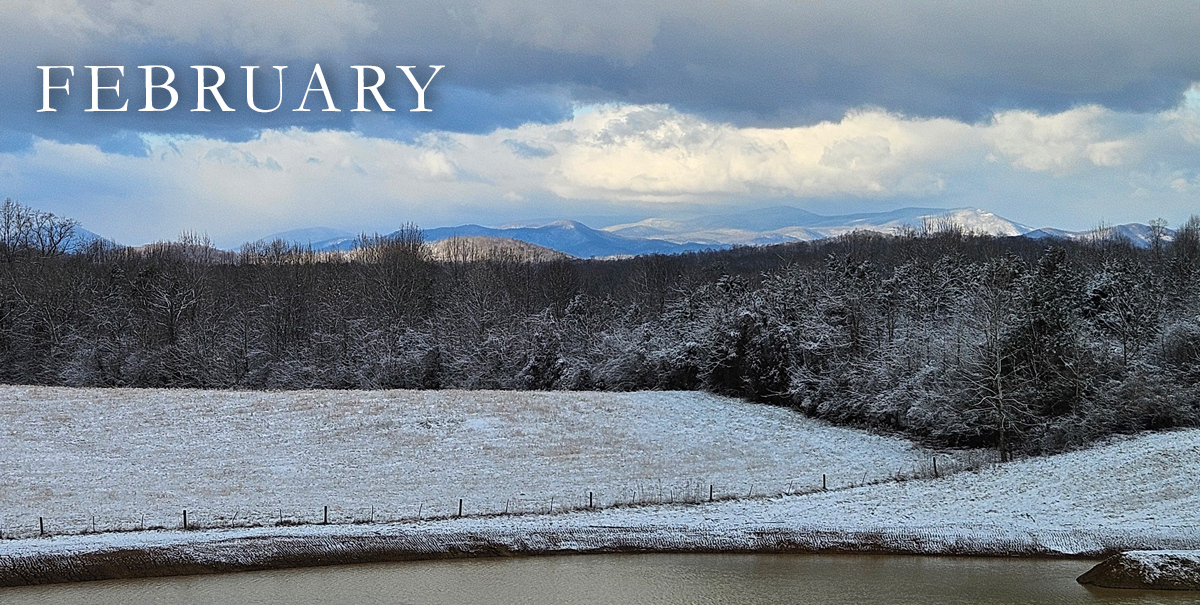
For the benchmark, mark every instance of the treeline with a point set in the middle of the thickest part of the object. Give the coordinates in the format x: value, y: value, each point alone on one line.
x: 949, y: 337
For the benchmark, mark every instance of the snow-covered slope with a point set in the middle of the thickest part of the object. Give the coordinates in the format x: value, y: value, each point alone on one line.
x: 1141, y: 483
x: 1136, y: 493
x: 784, y: 223
x: 232, y: 457
x: 482, y: 247
x: 1140, y: 235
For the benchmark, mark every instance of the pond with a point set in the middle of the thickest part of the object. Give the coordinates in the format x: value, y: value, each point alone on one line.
x: 657, y: 579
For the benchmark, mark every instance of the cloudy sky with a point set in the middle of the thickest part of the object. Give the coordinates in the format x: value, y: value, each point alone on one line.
x: 1065, y: 113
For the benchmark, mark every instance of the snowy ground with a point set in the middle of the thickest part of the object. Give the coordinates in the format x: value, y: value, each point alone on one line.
x: 1136, y: 493
x: 1143, y: 483
x: 134, y: 457
x: 144, y: 449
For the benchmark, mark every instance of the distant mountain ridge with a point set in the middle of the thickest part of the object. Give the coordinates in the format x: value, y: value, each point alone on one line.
x: 574, y: 238
x: 1141, y: 235
x: 481, y: 247
x: 319, y: 238
x: 763, y: 226
x: 82, y: 238
x: 784, y: 223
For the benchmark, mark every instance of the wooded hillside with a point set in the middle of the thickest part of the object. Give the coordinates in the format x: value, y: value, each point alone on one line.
x: 952, y: 338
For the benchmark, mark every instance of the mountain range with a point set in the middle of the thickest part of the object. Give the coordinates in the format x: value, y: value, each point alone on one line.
x: 763, y: 226
x: 569, y: 237
x: 1141, y: 235
x: 785, y: 224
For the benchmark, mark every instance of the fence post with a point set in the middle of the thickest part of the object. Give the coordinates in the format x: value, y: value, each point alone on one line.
x: 823, y: 488
x: 41, y: 527
x: 185, y: 518
x: 460, y: 507
x: 710, y: 492
x: 326, y: 521
x: 590, y: 500
x: 935, y: 473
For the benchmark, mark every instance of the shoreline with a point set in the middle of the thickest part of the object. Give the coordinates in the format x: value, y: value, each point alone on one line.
x: 170, y: 553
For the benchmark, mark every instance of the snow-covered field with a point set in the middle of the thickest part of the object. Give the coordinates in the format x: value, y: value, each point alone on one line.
x: 133, y: 457
x: 70, y: 453
x: 1141, y: 484
x: 1135, y: 493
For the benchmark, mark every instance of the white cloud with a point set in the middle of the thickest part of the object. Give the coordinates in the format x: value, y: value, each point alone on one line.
x: 1057, y: 143
x: 657, y: 154
x: 1020, y: 162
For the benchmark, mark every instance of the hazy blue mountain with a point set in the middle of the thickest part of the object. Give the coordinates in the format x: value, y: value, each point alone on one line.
x: 82, y: 238
x: 573, y: 238
x: 1049, y: 233
x: 760, y: 226
x: 319, y: 238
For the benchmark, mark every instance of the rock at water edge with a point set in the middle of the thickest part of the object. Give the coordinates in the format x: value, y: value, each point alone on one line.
x: 1147, y: 569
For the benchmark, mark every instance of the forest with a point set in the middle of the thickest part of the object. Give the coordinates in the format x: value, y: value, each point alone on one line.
x: 952, y: 338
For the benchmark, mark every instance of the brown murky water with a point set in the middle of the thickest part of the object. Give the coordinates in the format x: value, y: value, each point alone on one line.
x: 623, y: 579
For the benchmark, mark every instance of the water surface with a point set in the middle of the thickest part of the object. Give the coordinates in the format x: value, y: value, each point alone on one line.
x: 623, y: 579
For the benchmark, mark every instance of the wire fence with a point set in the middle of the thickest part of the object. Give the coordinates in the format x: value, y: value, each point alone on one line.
x: 639, y: 494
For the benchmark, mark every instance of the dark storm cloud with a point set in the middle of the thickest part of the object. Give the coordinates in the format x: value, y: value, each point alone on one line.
x: 509, y: 62
x: 962, y: 60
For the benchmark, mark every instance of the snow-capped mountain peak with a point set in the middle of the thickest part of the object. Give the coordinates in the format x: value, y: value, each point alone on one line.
x: 784, y: 223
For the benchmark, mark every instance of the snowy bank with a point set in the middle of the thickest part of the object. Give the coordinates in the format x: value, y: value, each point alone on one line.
x: 1153, y: 569
x: 150, y: 554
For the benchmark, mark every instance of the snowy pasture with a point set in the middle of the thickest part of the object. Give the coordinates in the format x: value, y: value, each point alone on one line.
x: 134, y: 457
x: 1135, y: 485
x: 1133, y: 493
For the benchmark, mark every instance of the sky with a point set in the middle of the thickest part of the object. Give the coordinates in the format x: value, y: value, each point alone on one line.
x: 1067, y: 113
